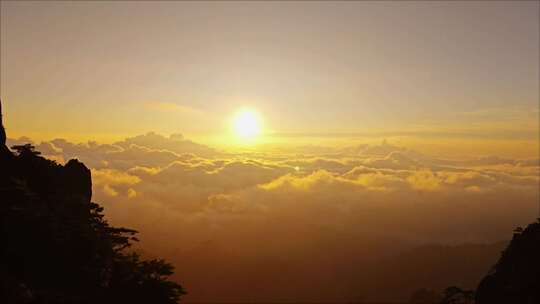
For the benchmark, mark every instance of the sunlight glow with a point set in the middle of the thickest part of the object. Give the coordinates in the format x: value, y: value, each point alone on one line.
x: 246, y: 124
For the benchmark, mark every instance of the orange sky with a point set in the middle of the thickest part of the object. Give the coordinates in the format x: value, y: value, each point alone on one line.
x: 383, y: 126
x: 414, y: 71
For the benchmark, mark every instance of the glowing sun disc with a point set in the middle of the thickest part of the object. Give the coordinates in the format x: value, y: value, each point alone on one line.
x: 246, y: 124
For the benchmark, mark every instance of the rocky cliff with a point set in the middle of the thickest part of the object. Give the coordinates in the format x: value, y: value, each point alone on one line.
x: 516, y: 276
x: 56, y: 246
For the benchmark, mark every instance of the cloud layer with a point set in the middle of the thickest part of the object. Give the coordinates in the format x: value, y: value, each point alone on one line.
x: 300, y: 220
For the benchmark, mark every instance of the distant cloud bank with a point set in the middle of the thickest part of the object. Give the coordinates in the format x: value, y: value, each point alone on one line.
x: 221, y: 213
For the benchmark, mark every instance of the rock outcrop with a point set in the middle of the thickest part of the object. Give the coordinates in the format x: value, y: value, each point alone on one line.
x: 516, y: 276
x: 56, y: 246
x: 4, y: 151
x: 78, y: 179
x: 2, y: 130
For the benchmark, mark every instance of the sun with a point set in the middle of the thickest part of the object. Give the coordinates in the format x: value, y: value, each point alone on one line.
x: 246, y: 124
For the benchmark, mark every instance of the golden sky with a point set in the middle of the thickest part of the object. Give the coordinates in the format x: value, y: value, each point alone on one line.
x: 291, y: 138
x: 419, y: 72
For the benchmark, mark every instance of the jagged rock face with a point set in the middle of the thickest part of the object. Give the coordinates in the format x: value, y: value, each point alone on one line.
x: 4, y: 151
x: 45, y: 216
x: 2, y: 130
x: 78, y: 179
x: 56, y: 247
x: 516, y: 277
x: 2, y: 135
x: 5, y: 156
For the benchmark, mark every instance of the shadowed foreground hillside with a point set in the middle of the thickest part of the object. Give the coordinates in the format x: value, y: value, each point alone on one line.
x: 56, y: 245
x: 516, y: 276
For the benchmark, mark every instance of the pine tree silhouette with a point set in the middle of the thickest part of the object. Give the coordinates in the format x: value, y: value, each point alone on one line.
x: 57, y: 246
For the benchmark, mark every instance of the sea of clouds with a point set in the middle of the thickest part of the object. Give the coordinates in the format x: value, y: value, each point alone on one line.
x: 298, y: 222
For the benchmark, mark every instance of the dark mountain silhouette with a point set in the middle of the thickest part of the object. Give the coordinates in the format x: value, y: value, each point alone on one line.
x: 4, y: 151
x: 57, y: 246
x: 515, y: 278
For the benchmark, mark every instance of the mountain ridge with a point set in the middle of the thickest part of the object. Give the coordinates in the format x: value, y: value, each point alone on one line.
x: 57, y: 246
